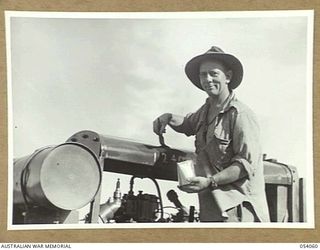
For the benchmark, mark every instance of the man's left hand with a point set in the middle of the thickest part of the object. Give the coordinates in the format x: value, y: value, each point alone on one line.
x: 196, y: 185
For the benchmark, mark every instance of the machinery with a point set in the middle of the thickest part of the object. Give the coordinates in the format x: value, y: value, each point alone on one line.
x: 54, y: 182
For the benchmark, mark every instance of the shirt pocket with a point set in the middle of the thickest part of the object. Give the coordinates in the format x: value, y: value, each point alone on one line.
x: 222, y: 144
x: 218, y: 151
x: 221, y: 134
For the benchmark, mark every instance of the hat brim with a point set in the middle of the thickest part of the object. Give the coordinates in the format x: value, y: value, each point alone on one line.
x: 230, y: 61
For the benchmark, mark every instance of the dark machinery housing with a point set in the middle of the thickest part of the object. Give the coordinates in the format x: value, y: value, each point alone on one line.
x: 52, y: 183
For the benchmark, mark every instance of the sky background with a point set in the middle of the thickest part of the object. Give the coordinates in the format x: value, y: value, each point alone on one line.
x: 115, y: 76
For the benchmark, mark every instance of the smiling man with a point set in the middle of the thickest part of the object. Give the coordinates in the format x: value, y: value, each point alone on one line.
x: 229, y: 170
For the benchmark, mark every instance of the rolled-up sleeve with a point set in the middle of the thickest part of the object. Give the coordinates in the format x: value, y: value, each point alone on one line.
x: 246, y: 142
x: 190, y: 123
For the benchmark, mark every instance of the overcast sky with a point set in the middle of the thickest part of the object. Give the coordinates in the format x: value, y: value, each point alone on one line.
x: 115, y: 76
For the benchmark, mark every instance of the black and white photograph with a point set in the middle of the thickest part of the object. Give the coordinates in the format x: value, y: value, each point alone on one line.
x: 160, y: 119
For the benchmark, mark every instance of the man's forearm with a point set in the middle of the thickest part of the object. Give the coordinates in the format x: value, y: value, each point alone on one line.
x: 230, y: 174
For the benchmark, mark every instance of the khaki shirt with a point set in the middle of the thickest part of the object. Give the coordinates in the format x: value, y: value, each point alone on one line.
x: 230, y: 136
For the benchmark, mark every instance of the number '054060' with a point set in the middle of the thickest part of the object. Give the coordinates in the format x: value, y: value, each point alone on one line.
x: 310, y: 245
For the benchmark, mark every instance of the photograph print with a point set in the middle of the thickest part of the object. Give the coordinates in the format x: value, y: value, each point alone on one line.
x: 193, y: 119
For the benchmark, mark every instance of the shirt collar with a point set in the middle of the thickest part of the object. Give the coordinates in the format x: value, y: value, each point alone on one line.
x: 228, y: 103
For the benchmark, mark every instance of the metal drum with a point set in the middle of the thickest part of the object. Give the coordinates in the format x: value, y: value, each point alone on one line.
x: 67, y: 176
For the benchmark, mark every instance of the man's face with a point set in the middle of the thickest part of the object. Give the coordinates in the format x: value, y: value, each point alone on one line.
x: 214, y: 78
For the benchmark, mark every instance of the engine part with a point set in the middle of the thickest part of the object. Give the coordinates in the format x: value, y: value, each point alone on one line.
x: 108, y: 209
x: 138, y: 208
x: 173, y: 197
x: 141, y: 207
x: 66, y: 176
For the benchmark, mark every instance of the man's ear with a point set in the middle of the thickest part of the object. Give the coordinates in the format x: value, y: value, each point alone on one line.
x: 229, y: 75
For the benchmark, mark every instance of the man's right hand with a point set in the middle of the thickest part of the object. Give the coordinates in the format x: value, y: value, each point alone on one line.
x: 159, y: 124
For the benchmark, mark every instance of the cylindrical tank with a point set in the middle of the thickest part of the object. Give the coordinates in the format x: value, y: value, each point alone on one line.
x: 129, y: 157
x: 66, y: 176
x: 134, y: 158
